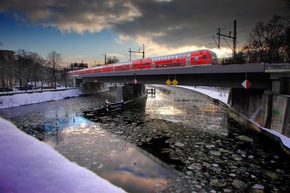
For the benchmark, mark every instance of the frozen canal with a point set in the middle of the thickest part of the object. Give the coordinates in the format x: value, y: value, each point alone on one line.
x: 180, y: 142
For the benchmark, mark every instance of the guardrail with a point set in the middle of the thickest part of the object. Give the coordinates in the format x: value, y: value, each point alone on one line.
x: 282, y: 67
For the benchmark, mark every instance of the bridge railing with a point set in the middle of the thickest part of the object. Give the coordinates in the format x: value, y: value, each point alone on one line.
x: 282, y: 67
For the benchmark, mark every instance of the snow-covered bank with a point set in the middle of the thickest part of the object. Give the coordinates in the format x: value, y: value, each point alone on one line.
x: 37, y: 97
x: 28, y: 165
x: 221, y: 95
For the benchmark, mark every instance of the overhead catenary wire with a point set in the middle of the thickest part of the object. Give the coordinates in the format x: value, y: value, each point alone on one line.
x: 200, y: 37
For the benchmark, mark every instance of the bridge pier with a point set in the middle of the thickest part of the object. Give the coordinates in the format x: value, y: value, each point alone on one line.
x: 93, y: 87
x: 246, y: 101
x: 130, y: 91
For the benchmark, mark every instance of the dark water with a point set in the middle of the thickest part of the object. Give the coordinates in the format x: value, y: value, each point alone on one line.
x: 179, y: 142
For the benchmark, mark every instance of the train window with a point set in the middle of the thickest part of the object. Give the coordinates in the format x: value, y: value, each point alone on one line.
x: 195, y: 58
x: 184, y: 55
x: 188, y: 55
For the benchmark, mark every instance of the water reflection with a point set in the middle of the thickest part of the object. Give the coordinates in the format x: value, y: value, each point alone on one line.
x: 134, y: 172
x: 110, y: 157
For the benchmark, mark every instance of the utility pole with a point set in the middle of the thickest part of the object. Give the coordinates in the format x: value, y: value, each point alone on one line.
x: 143, y: 52
x: 234, y: 38
x: 105, y: 58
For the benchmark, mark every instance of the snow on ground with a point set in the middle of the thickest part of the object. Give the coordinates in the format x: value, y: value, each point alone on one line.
x: 28, y: 165
x: 221, y: 95
x: 15, y: 100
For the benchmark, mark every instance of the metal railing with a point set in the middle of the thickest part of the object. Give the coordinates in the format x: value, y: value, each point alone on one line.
x: 282, y: 67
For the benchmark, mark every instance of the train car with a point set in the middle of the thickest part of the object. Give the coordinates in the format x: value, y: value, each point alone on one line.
x: 136, y: 65
x: 98, y: 69
x: 124, y: 66
x: 170, y: 61
x: 108, y: 68
x: 186, y: 59
x: 142, y: 64
x: 180, y: 60
x: 203, y: 57
x: 146, y: 64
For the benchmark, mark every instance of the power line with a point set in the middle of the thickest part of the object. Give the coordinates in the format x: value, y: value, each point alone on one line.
x: 143, y: 52
x: 234, y: 38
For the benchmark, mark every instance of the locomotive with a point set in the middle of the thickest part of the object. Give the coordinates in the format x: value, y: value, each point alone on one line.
x: 180, y: 60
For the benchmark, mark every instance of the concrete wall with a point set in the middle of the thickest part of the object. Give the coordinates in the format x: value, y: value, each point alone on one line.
x: 246, y: 101
x: 264, y: 116
x: 280, y: 119
x: 131, y: 91
x: 268, y: 110
x: 93, y: 87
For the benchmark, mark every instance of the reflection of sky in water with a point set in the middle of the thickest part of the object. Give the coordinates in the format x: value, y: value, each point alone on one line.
x: 89, y: 145
x: 65, y: 122
x: 132, y: 170
x: 193, y: 110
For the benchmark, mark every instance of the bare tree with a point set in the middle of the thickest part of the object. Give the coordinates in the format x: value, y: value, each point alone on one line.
x: 266, y: 42
x: 54, y: 60
x: 112, y: 60
x: 25, y: 67
x: 288, y: 31
x: 38, y: 65
x: 6, y: 68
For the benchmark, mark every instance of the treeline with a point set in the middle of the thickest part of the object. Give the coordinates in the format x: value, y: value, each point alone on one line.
x: 24, y: 67
x: 268, y: 42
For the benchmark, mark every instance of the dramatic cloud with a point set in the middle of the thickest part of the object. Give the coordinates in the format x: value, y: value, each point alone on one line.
x: 192, y: 22
x: 70, y: 15
x: 173, y: 24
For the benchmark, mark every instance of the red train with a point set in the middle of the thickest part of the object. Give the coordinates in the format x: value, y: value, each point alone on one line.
x: 186, y: 59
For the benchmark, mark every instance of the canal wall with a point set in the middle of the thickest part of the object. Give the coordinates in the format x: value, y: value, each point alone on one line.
x: 19, y: 99
x: 88, y: 88
x: 265, y: 108
x: 261, y: 108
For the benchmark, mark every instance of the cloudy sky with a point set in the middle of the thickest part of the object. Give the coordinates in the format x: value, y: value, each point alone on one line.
x: 85, y: 30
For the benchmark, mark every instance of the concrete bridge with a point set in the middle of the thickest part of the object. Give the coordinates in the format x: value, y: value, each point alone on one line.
x: 266, y: 100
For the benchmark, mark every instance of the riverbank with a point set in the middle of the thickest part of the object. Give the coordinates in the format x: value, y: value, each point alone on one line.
x: 19, y: 99
x: 28, y: 165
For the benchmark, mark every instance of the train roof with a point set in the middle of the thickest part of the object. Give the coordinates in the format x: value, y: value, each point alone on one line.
x: 180, y: 53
